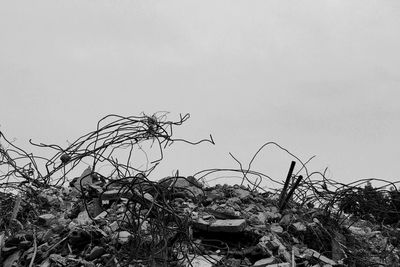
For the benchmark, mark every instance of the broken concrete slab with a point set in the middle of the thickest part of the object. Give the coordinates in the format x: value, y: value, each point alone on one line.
x: 225, y: 226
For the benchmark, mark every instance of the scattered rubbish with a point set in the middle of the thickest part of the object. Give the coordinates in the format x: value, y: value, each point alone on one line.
x: 124, y: 218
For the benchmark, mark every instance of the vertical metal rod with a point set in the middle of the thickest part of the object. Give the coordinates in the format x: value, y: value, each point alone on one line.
x: 289, y: 195
x: 286, y: 185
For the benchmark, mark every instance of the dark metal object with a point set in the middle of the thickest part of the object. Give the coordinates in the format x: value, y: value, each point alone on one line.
x: 285, y: 187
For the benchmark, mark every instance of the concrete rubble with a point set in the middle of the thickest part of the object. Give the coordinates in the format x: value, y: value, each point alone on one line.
x: 90, y: 224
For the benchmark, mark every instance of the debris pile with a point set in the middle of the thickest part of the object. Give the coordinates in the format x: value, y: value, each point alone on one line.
x: 126, y: 219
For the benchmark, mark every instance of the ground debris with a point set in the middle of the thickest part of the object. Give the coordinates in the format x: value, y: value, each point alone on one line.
x: 126, y: 219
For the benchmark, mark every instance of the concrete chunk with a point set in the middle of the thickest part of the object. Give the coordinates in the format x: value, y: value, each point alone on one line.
x: 264, y: 262
x: 226, y: 226
x: 319, y: 256
x: 47, y: 219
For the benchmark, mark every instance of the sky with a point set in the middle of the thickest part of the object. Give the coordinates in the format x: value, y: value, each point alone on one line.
x: 318, y: 77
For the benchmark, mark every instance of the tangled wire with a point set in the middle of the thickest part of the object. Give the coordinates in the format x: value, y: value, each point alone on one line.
x: 161, y: 231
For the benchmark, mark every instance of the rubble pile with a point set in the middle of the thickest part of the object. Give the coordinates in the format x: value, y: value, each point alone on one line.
x: 121, y: 217
x: 178, y: 221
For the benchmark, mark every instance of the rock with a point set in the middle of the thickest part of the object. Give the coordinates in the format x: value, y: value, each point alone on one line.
x: 203, y: 261
x: 85, y: 179
x: 114, y: 226
x: 264, y: 262
x: 46, y: 263
x: 272, y: 216
x: 232, y: 262
x: 180, y: 186
x: 95, y: 253
x: 241, y: 193
x: 338, y: 242
x: 101, y: 216
x: 223, y: 212
x: 286, y: 220
x: 115, y: 194
x: 123, y: 237
x: 255, y: 220
x: 298, y: 227
x: 276, y: 228
x: 319, y: 256
x: 12, y: 259
x: 94, y: 207
x: 83, y: 218
x: 47, y: 219
x: 283, y: 264
x: 226, y: 226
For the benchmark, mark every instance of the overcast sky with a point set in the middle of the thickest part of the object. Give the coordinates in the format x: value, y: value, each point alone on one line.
x: 318, y: 77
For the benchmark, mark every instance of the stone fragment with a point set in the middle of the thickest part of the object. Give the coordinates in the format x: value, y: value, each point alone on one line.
x: 47, y: 219
x: 115, y: 194
x: 223, y: 212
x: 183, y: 187
x: 242, y: 193
x: 123, y: 237
x: 12, y: 259
x: 264, y: 262
x: 298, y: 227
x: 94, y: 207
x: 46, y: 263
x: 286, y: 219
x: 255, y: 220
x: 283, y: 264
x: 203, y: 261
x: 83, y: 218
x: 101, y: 215
x: 272, y: 216
x: 95, y: 253
x: 319, y: 256
x: 227, y: 226
x: 232, y: 262
x: 338, y: 242
x: 276, y: 228
x: 114, y: 226
x: 285, y: 254
x: 85, y: 179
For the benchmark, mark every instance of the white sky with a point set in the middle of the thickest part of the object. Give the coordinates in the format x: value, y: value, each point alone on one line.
x: 318, y: 77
